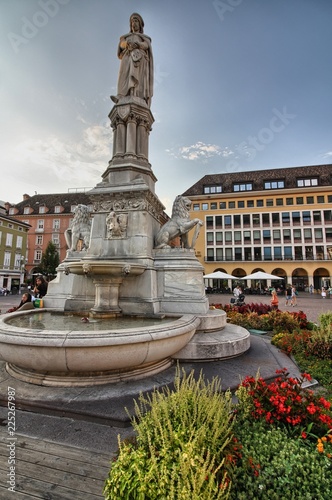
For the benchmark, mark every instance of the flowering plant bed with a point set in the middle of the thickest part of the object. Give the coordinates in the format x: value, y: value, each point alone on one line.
x: 312, y: 349
x: 194, y: 443
x: 274, y: 443
x: 263, y: 317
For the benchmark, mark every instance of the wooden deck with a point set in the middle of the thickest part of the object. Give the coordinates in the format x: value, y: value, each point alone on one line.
x: 51, y: 471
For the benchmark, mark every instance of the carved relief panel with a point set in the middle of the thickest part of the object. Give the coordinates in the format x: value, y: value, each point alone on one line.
x: 116, y: 225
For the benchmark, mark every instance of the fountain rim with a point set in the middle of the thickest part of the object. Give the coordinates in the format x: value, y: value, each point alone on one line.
x: 75, y: 338
x: 105, y: 267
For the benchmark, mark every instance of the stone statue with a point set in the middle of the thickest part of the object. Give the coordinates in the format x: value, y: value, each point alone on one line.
x: 79, y: 229
x: 179, y: 225
x: 136, y: 67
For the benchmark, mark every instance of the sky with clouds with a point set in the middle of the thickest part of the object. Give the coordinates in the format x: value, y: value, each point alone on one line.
x: 239, y: 85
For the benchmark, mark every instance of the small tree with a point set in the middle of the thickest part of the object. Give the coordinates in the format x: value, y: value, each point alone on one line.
x: 50, y: 260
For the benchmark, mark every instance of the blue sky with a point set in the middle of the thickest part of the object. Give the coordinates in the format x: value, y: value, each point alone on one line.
x: 239, y: 85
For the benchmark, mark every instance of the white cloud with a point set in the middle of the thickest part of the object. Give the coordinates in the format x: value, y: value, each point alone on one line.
x: 200, y: 151
x: 327, y: 155
x: 54, y: 164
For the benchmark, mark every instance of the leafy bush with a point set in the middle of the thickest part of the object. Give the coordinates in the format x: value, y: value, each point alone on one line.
x: 183, y: 439
x: 274, y: 466
x: 246, y: 308
x: 320, y: 369
x: 320, y: 344
x: 325, y: 321
x: 292, y: 343
x: 316, y: 342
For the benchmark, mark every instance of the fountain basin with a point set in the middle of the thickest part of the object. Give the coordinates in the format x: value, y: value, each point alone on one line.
x: 83, y: 358
x: 107, y: 277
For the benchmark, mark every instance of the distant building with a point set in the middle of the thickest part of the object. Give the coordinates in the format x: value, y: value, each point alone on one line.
x: 277, y: 220
x: 13, y: 250
x: 49, y: 215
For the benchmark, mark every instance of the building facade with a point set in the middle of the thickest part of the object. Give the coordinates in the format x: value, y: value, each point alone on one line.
x: 278, y: 221
x: 13, y: 251
x: 49, y: 215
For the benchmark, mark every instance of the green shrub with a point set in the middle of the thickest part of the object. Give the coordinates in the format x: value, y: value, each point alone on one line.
x: 292, y: 343
x: 320, y: 369
x: 183, y: 438
x: 316, y: 342
x: 320, y: 344
x: 325, y: 321
x: 273, y: 466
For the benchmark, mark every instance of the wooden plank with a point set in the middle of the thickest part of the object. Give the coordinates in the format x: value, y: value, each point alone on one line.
x: 5, y: 494
x: 61, y: 449
x: 52, y: 471
x: 63, y: 477
x: 64, y: 464
x: 33, y: 488
x: 69, y: 480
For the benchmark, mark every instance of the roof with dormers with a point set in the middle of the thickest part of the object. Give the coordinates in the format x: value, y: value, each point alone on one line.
x: 259, y: 177
x: 64, y: 200
x: 13, y: 220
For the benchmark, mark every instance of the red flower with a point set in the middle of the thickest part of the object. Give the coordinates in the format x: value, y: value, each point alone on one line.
x: 284, y: 402
x: 311, y: 408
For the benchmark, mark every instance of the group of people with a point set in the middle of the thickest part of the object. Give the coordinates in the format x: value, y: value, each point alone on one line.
x: 290, y: 295
x: 39, y: 291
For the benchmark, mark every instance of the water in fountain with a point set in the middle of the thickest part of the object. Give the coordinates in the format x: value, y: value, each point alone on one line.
x: 68, y: 322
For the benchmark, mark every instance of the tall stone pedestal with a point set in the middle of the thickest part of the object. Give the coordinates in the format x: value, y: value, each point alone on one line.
x: 180, y: 281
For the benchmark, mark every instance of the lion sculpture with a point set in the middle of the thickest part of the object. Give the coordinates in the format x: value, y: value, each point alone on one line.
x: 179, y: 225
x: 79, y: 229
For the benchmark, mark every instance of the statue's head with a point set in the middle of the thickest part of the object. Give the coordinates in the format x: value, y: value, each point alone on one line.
x: 136, y: 18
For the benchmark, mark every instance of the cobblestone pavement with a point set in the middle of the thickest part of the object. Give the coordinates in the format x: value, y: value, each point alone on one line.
x: 311, y: 304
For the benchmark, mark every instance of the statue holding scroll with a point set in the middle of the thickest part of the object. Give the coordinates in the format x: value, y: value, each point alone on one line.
x: 136, y: 67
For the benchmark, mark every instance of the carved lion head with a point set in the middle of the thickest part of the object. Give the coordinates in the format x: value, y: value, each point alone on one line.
x: 181, y: 207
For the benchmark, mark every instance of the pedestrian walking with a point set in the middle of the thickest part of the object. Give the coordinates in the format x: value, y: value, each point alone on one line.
x: 323, y: 293
x: 294, y: 296
x: 274, y: 299
x: 288, y: 294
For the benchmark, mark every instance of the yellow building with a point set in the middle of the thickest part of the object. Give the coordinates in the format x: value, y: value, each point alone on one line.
x: 278, y: 221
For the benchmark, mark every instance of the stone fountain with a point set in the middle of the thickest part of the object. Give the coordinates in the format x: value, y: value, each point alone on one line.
x: 122, y: 261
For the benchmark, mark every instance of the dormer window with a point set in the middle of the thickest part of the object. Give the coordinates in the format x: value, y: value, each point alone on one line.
x: 275, y: 184
x: 26, y: 210
x: 242, y: 186
x: 57, y: 209
x: 12, y: 211
x: 42, y: 209
x: 310, y: 181
x: 212, y: 189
